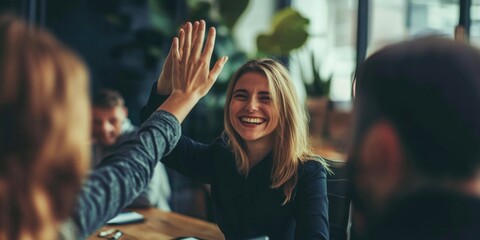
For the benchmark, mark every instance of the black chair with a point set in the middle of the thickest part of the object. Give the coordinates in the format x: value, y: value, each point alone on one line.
x: 339, y: 201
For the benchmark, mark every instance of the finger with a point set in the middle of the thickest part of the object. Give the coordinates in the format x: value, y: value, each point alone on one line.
x: 184, y: 26
x: 175, y: 60
x: 187, y: 43
x: 217, y: 69
x: 198, y: 42
x: 208, y: 50
x: 170, y: 52
x: 174, y: 49
x: 196, y: 26
x: 181, y: 39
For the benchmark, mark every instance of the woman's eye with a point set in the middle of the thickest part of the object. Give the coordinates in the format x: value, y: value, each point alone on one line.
x: 265, y: 99
x: 240, y: 96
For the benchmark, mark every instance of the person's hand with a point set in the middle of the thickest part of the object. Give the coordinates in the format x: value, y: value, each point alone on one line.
x: 190, y: 77
x: 191, y: 66
x: 164, y: 83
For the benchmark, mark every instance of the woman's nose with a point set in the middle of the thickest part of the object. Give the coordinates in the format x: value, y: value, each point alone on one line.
x: 252, y: 105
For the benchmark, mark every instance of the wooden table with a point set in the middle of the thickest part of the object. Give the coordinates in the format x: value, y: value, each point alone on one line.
x: 324, y: 149
x: 164, y: 225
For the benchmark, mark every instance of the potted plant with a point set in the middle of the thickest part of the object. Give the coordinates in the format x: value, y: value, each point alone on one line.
x: 318, y: 91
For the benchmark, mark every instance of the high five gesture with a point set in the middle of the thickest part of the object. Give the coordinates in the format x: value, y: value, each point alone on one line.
x: 187, y: 75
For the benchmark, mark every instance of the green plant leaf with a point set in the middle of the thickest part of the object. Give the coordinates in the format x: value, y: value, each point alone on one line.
x: 319, y: 86
x: 288, y: 32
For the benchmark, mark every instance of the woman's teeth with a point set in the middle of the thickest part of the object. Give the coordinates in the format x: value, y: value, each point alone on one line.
x: 251, y: 120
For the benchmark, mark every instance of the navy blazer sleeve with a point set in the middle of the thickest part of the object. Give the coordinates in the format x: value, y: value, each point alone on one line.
x: 154, y: 101
x: 311, y: 202
x: 190, y: 158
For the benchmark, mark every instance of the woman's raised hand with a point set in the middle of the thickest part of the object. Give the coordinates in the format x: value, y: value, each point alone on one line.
x: 191, y: 66
x: 164, y: 83
x: 186, y: 74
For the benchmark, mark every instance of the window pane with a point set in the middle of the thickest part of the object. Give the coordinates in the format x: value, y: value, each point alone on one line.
x: 331, y: 43
x: 475, y: 23
x: 397, y: 20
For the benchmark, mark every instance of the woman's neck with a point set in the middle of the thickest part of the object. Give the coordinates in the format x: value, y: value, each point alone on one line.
x: 257, y: 151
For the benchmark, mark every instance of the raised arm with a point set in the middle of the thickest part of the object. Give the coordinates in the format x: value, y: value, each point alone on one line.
x: 126, y: 172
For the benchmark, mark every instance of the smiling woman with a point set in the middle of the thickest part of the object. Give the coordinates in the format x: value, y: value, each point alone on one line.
x: 252, y: 114
x: 264, y: 179
x: 276, y: 97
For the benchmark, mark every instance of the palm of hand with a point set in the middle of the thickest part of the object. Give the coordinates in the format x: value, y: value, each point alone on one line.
x: 190, y: 65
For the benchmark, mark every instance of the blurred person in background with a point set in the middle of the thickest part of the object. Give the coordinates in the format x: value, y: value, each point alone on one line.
x: 415, y: 162
x: 110, y: 129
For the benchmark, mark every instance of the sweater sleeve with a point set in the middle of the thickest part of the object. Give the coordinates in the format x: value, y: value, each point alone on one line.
x: 124, y: 174
x: 311, y: 202
x: 157, y: 193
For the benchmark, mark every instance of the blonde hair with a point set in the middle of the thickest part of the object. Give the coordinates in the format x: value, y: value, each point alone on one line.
x: 291, y: 144
x: 44, y: 126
